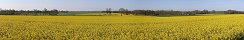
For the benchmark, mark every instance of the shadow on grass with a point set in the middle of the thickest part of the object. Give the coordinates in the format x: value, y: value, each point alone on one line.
x: 239, y: 36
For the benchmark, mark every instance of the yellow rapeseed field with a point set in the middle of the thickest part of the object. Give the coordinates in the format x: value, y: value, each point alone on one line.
x: 213, y: 27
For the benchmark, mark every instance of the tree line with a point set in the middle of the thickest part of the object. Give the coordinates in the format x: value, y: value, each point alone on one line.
x: 45, y: 11
x: 169, y: 12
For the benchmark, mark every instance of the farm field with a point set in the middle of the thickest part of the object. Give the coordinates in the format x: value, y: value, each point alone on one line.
x: 85, y: 14
x: 208, y: 27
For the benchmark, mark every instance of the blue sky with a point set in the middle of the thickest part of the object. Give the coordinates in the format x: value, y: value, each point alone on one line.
x: 98, y: 5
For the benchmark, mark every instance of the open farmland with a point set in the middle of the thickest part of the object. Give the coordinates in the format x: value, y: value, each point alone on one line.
x: 212, y: 27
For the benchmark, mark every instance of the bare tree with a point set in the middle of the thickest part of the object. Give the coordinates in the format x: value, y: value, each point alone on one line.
x: 122, y: 11
x: 54, y: 12
x: 213, y: 11
x: 108, y: 11
x: 232, y: 12
x: 45, y: 9
x: 205, y: 12
x: 196, y: 11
